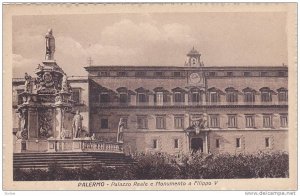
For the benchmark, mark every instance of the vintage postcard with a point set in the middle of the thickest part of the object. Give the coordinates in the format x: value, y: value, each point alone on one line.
x: 190, y: 96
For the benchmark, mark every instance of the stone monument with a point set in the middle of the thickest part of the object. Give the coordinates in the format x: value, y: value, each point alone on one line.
x: 46, y: 99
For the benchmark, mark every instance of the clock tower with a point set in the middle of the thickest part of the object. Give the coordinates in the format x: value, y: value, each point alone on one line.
x: 193, y: 59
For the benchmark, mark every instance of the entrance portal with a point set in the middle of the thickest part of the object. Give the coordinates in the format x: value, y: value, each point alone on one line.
x: 196, y: 144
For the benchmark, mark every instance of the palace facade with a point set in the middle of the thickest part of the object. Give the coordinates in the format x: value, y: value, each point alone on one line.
x: 183, y: 109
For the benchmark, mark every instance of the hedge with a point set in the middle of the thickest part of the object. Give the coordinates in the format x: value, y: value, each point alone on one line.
x: 164, y: 166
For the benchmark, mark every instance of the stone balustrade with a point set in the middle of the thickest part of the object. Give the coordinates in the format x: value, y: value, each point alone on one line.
x: 82, y: 145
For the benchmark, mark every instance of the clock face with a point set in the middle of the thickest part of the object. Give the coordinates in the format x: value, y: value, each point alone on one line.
x: 195, y: 78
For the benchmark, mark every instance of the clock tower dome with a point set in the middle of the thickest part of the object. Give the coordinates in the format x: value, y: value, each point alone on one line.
x: 193, y: 59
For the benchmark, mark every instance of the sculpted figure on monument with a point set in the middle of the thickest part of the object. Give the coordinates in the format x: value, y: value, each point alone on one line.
x: 77, y: 124
x: 28, y: 83
x: 50, y: 45
x: 22, y: 133
x: 64, y: 83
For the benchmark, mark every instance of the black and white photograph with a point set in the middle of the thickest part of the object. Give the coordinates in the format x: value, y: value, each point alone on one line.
x: 151, y: 97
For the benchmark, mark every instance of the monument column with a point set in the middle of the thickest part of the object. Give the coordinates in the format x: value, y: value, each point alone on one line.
x: 58, y: 123
x: 32, y: 123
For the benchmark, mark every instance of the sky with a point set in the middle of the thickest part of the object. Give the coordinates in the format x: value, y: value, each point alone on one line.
x: 158, y: 39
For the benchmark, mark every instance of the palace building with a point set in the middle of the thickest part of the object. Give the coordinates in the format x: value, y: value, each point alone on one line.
x: 183, y: 109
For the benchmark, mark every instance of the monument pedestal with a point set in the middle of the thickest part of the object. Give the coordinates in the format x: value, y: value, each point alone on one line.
x: 45, y: 101
x: 20, y: 146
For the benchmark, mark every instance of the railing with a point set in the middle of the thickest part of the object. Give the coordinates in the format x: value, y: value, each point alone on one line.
x: 94, y: 145
x: 82, y: 145
x: 116, y: 104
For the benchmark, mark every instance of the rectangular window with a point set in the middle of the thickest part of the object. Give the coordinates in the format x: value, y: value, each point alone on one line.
x: 214, y: 121
x: 159, y: 98
x: 267, y: 121
x: 154, y: 143
x: 103, y: 73
x: 281, y: 73
x: 267, y: 142
x: 104, y: 98
x: 104, y: 123
x: 161, y: 122
x: 283, y: 121
x: 158, y: 73
x: 178, y: 97
x: 176, y: 143
x: 122, y: 73
x: 238, y: 142
x: 250, y: 121
x: 249, y: 97
x: 76, y: 95
x: 142, y: 98
x: 247, y: 74
x: 195, y: 97
x: 140, y: 73
x: 283, y: 96
x: 177, y: 74
x: 232, y: 97
x: 229, y: 73
x: 263, y: 74
x: 212, y: 74
x: 179, y: 122
x: 123, y: 98
x: 232, y: 121
x: 214, y: 97
x: 217, y: 143
x: 266, y: 97
x: 142, y: 122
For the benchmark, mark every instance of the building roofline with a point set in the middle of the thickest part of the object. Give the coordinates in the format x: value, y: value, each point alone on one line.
x: 131, y: 67
x: 70, y: 79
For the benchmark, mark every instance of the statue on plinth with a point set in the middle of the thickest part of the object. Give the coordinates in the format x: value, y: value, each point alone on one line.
x: 28, y: 83
x: 50, y: 45
x: 65, y: 84
x: 77, y: 124
x: 22, y: 133
x: 121, y: 126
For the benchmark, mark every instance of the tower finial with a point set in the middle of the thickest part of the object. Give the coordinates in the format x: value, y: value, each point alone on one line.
x: 90, y: 61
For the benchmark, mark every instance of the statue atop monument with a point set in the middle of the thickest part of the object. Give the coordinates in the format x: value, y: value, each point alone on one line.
x: 50, y: 45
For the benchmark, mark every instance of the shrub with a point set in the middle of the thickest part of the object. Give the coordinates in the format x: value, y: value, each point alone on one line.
x: 155, y: 166
x: 164, y: 166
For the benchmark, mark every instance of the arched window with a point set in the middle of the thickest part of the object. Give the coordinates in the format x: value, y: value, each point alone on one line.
x: 282, y: 94
x: 214, y: 95
x: 160, y: 95
x: 249, y: 95
x: 142, y: 95
x: 231, y: 95
x: 124, y: 95
x: 195, y: 95
x: 178, y: 95
x: 266, y: 94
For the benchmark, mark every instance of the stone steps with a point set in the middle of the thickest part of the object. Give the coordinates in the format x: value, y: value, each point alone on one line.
x: 70, y: 159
